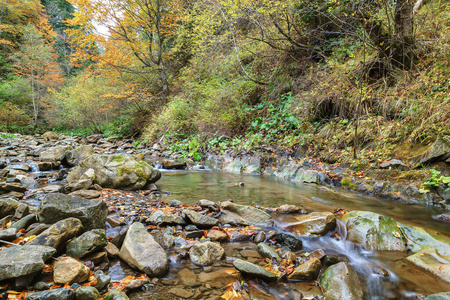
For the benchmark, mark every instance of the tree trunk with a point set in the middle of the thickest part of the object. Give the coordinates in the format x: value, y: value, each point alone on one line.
x: 34, y: 99
x: 403, y: 52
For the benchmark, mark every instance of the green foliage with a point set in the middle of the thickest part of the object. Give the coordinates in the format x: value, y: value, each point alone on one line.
x: 434, y: 181
x: 274, y: 120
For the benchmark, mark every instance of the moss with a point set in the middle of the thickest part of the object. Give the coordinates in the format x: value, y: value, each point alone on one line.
x: 118, y: 158
x: 347, y: 182
x: 145, y: 164
x: 137, y: 169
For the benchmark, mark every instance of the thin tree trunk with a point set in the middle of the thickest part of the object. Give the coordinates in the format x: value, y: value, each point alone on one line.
x: 33, y: 98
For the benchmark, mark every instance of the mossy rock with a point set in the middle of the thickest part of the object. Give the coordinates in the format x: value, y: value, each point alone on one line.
x: 120, y: 171
x: 374, y: 231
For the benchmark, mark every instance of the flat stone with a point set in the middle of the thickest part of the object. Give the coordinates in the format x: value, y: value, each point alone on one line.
x: 253, y: 270
x: 88, y: 194
x: 313, y: 224
x: 199, y: 219
x: 236, y: 214
x: 188, y: 278
x: 56, y: 294
x: 268, y: 252
x: 182, y: 293
x: 19, y: 261
x: 8, y: 234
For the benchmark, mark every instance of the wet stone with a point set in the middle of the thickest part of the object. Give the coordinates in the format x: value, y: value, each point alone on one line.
x: 217, y: 235
x: 180, y: 292
x: 87, y: 293
x: 56, y: 294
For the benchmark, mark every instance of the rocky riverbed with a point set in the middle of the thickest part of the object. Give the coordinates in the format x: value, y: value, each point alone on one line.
x: 85, y: 219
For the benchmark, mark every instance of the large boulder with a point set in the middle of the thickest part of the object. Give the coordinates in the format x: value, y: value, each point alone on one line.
x: 91, y: 212
x: 141, y: 251
x: 439, y: 151
x: 119, y: 171
x: 374, y: 231
x: 74, y: 157
x: 53, y: 153
x: 236, y: 214
x: 206, y: 253
x: 24, y: 260
x: 313, y: 224
x: 340, y: 281
x: 58, y: 234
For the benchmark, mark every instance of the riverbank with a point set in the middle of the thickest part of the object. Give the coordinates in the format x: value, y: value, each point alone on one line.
x: 243, y: 243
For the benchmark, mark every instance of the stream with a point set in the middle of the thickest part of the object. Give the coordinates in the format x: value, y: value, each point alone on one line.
x: 384, y: 275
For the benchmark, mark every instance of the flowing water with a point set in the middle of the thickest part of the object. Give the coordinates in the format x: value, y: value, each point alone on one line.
x: 385, y: 275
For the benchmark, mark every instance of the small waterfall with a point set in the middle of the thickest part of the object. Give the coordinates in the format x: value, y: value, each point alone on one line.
x: 34, y: 167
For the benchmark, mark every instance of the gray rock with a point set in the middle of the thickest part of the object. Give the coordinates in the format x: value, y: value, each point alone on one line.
x: 50, y: 135
x: 439, y: 151
x: 206, y: 203
x: 112, y: 250
x: 8, y: 234
x: 200, y: 219
x: 268, y: 252
x: 236, y: 214
x: 94, y: 138
x: 83, y: 184
x: 288, y: 209
x: 24, y: 222
x: 20, y: 167
x: 19, y: 261
x: 91, y: 212
x: 206, y: 253
x: 394, y: 163
x: 340, y: 281
x: 54, y: 153
x: 21, y: 211
x: 159, y: 218
x: 174, y: 164
x: 88, y: 242
x: 74, y: 157
x: 120, y: 171
x: 58, y: 234
x: 142, y: 252
x: 253, y: 270
x: 88, y: 194
x: 12, y: 187
x: 289, y: 240
x: 87, y: 293
x: 56, y: 294
x: 69, y: 270
x: 306, y: 271
x: 313, y: 224
x: 102, y: 280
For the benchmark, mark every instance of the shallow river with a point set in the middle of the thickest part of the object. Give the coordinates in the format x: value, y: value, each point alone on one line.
x: 397, y: 280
